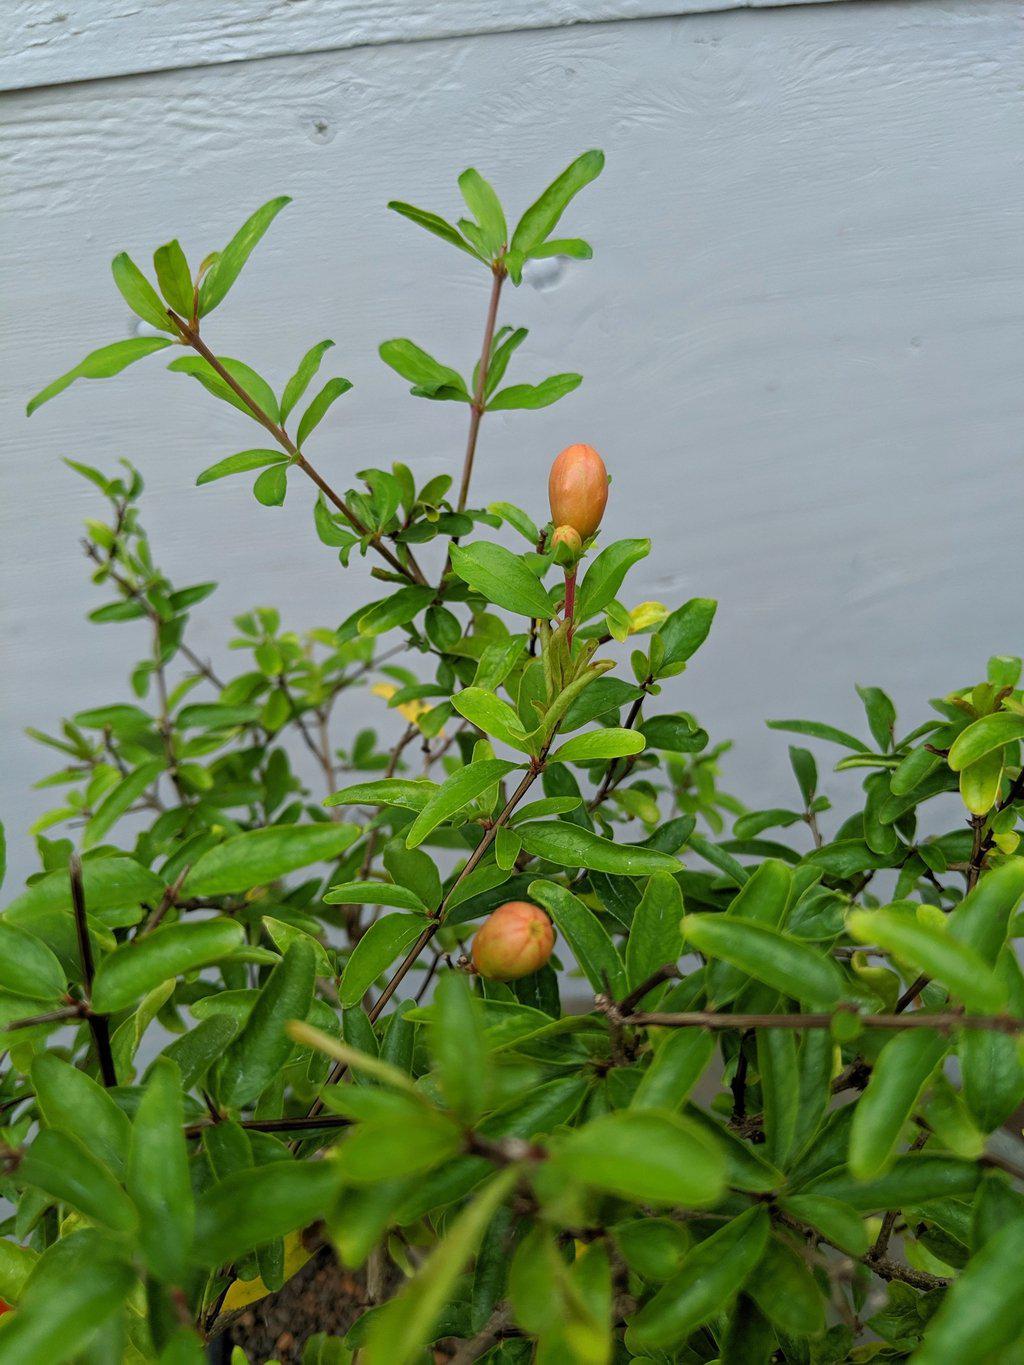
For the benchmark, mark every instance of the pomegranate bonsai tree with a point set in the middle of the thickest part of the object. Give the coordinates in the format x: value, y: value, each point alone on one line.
x: 543, y: 1045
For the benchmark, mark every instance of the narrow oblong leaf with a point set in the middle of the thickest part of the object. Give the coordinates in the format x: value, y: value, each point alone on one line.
x: 300, y: 380
x: 136, y: 967
x: 786, y: 964
x: 540, y: 219
x: 242, y: 463
x: 464, y: 786
x: 318, y: 409
x: 138, y: 293
x: 983, y: 1312
x: 382, y: 944
x: 27, y: 966
x: 572, y: 846
x: 228, y: 265
x: 605, y: 575
x: 491, y: 715
x: 62, y: 1167
x: 598, y: 744
x: 249, y: 1208
x: 262, y: 855
x: 585, y: 934
x: 101, y: 364
x: 72, y: 1102
x: 655, y: 1158
x: 502, y: 577
x: 540, y: 395
x: 173, y: 277
x: 259, y: 1052
x: 898, y: 1079
x: 934, y: 952
x: 158, y: 1175
x: 982, y: 736
x: 655, y: 937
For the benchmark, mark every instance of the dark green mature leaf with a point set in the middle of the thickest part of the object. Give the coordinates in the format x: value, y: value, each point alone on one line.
x: 404, y: 1325
x: 262, y: 855
x: 787, y: 965
x: 934, y: 952
x: 898, y: 1078
x: 318, y: 409
x: 136, y: 967
x: 158, y: 1175
x: 591, y: 946
x: 72, y: 1102
x: 397, y: 610
x: 784, y: 1289
x: 384, y: 941
x: 652, y: 1158
x: 502, y: 577
x: 259, y: 1052
x: 815, y: 730
x: 101, y: 364
x: 540, y: 219
x: 570, y: 846
x: 836, y: 1222
x: 459, y: 1047
x: 540, y: 395
x: 982, y: 918
x: 77, y: 1284
x: 712, y: 1275
x: 455, y: 794
x: 228, y: 265
x: 605, y: 575
x: 685, y: 631
x: 27, y: 965
x: 62, y: 1167
x: 983, y: 1312
x: 916, y: 1178
x: 777, y: 1062
x: 675, y: 1069
x: 389, y: 791
x: 375, y: 893
x: 119, y: 799
x: 249, y: 1208
x: 655, y: 937
x: 138, y: 293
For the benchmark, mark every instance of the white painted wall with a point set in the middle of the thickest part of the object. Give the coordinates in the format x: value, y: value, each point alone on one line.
x: 801, y: 333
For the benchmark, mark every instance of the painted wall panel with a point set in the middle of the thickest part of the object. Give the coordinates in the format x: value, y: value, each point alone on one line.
x: 801, y: 335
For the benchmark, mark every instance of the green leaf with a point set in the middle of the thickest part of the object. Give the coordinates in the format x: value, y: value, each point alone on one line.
x: 397, y: 610
x: 319, y: 407
x: 763, y: 900
x: 136, y: 967
x: 712, y: 1275
x: 432, y: 222
x: 118, y: 800
x: 586, y: 936
x: 675, y: 734
x: 228, y: 265
x: 916, y: 1178
x: 784, y: 1289
x: 815, y: 730
x: 404, y: 1326
x: 836, y: 1222
x: 200, y: 369
x: 654, y: 936
x: 77, y: 1285
x: 260, y: 856
x: 173, y: 277
x: 384, y: 941
x: 982, y: 736
x: 599, y: 744
x: 540, y: 395
x: 540, y: 219
x: 464, y: 786
x: 573, y: 247
x: 486, y: 208
x: 101, y: 364
x: 63, y: 1168
x: 300, y: 380
x: 72, y: 1102
x: 605, y: 575
x: 249, y: 1208
x: 571, y: 846
x: 780, y: 1091
x: 271, y: 486
x: 492, y: 715
x: 27, y: 965
x: 934, y: 952
x: 898, y: 1080
x: 16, y: 1264
x: 685, y: 631
x: 652, y: 1158
x: 427, y: 375
x: 158, y: 1175
x: 983, y: 1312
x: 138, y: 293
x: 502, y: 577
x: 260, y: 1051
x: 459, y: 1048
x: 375, y: 893
x: 675, y: 1069
x: 786, y: 964
x: 389, y: 791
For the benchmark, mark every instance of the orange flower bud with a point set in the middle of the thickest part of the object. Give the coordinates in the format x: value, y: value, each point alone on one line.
x: 514, y: 941
x: 578, y: 489
x: 567, y: 536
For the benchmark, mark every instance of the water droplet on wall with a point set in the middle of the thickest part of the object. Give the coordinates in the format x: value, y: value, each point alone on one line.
x: 547, y: 273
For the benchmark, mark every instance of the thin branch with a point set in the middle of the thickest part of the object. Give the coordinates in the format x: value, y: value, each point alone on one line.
x: 614, y: 774
x: 98, y: 1023
x: 166, y: 901
x: 721, y: 1022
x: 477, y: 407
x: 411, y: 571
x: 48, y: 1017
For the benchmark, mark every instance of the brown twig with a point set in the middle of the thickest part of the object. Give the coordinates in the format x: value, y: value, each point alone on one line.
x: 476, y: 410
x: 166, y: 901
x: 98, y: 1023
x: 189, y: 334
x: 720, y: 1022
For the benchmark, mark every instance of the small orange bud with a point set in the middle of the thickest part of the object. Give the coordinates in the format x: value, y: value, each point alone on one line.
x: 567, y: 536
x: 514, y: 941
x: 578, y: 489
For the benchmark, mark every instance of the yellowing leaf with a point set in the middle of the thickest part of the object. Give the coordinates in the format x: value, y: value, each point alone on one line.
x: 243, y: 1292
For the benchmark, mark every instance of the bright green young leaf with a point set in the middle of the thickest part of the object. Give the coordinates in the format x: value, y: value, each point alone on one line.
x: 301, y: 379
x: 605, y: 575
x: 898, y: 1079
x: 173, y: 277
x: 72, y: 1102
x: 981, y: 920
x: 652, y: 1158
x: 259, y: 1052
x: 541, y: 218
x: 983, y: 736
x: 485, y: 206
x: 982, y: 1314
x: 27, y: 966
x: 502, y: 577
x: 675, y: 1069
x: 787, y: 965
x: 459, y: 1047
x: 428, y: 376
x: 119, y: 799
x: 138, y: 293
x: 200, y: 369
x: 685, y: 630
x: 228, y: 265
x: 318, y: 409
x: 540, y: 395
x: 101, y: 364
x: 242, y: 463
x: 492, y: 715
x: 432, y: 222
x: 934, y: 952
x: 455, y: 794
x: 598, y: 744
x: 62, y: 1167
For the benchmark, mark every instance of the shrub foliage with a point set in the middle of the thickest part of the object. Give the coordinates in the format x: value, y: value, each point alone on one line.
x: 749, y: 1108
